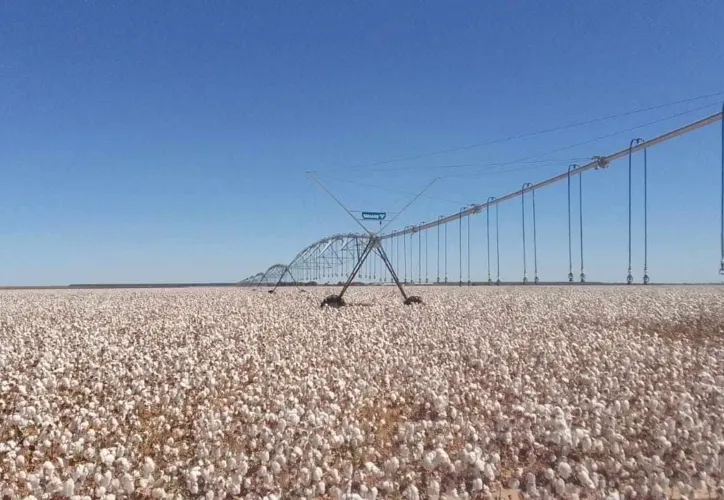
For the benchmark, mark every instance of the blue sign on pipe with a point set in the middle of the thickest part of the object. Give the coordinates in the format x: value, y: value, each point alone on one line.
x: 374, y: 215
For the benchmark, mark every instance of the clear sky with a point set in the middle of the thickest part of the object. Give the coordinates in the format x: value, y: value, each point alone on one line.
x: 169, y: 140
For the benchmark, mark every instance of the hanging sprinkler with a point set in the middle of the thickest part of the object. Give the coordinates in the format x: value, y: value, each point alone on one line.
x: 570, y: 244
x: 438, y: 249
x: 460, y: 243
x: 580, y: 212
x: 497, y: 243
x: 522, y: 203
x: 721, y: 265
x: 646, y: 220
x: 629, y: 277
x: 536, y: 280
x: 487, y: 238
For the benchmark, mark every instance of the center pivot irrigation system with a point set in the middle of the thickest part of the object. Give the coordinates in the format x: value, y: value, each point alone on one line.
x: 358, y: 248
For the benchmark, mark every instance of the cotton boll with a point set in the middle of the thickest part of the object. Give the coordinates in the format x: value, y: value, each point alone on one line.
x: 391, y: 466
x: 127, y: 483
x: 320, y: 488
x: 148, y: 467
x: 584, y: 478
x: 411, y: 493
x: 564, y: 470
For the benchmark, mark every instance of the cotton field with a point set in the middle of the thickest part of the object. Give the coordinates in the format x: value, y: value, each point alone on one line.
x: 553, y: 392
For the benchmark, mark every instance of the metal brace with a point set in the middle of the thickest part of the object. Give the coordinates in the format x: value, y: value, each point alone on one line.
x: 601, y: 162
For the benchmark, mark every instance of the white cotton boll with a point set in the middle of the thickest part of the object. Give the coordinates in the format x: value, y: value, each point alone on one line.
x: 320, y: 488
x: 564, y: 470
x: 584, y: 478
x: 148, y: 467
x: 657, y: 492
x: 48, y: 468
x: 293, y: 419
x: 392, y: 465
x: 586, y: 444
x: 127, y: 483
x: 55, y: 485
x: 33, y: 481
x: 317, y: 474
x: 428, y: 461
x: 105, y: 480
x: 336, y: 478
x: 441, y: 457
x: 69, y: 488
x: 347, y: 470
x: 433, y: 490
x: 489, y: 472
x: 411, y: 493
x: 506, y: 437
x: 158, y: 493
x: 477, y: 484
x: 305, y: 476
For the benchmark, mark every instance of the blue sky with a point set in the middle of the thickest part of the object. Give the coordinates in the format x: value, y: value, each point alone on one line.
x: 168, y: 141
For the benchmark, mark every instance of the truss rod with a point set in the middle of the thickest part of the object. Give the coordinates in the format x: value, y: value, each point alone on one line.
x: 598, y: 162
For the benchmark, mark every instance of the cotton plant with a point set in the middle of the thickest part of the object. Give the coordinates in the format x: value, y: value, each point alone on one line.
x: 213, y: 393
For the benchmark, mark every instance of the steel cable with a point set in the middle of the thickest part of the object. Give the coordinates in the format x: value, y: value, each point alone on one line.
x: 523, y: 135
